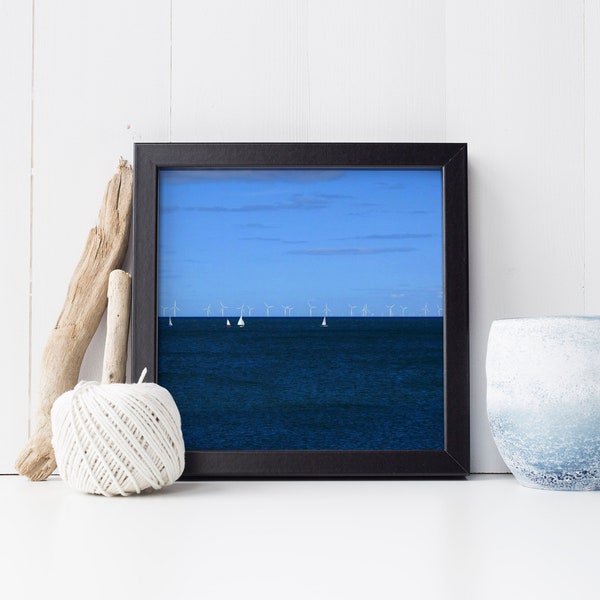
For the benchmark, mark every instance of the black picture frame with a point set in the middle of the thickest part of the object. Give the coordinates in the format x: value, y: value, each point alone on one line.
x: 451, y: 158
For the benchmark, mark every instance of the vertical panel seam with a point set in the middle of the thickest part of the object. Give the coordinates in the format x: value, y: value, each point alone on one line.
x: 306, y: 41
x: 585, y: 237
x: 31, y: 203
x: 170, y: 70
x: 445, y: 58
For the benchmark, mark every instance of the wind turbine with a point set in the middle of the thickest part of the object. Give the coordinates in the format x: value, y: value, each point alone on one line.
x: 425, y: 310
x: 403, y: 308
x: 250, y: 309
x: 326, y: 311
x: 364, y: 311
x: 285, y: 310
x: 390, y: 309
x: 241, y: 309
x: 207, y: 309
x: 352, y: 307
x: 440, y: 311
x: 175, y: 308
x: 165, y: 308
x: 268, y: 307
x: 223, y: 307
x: 290, y: 309
x: 310, y: 309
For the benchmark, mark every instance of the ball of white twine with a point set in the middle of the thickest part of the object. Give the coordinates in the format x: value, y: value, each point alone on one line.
x: 117, y: 439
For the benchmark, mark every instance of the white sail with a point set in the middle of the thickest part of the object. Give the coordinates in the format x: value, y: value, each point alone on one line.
x: 228, y: 323
x: 170, y: 322
x: 241, y: 321
x: 324, y: 322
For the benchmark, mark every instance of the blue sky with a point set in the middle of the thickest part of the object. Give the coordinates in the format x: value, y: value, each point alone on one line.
x: 298, y: 237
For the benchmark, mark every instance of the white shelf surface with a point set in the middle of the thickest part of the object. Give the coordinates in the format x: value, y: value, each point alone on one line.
x: 486, y: 537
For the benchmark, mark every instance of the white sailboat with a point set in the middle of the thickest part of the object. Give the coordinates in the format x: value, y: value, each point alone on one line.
x: 228, y: 324
x: 175, y: 309
x: 240, y: 322
x: 324, y: 322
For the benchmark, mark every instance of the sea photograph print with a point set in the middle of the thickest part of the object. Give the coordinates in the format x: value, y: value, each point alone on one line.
x: 303, y: 308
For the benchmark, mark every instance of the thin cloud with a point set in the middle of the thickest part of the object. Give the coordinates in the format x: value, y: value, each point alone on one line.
x: 296, y: 203
x: 257, y: 226
x: 351, y: 251
x: 271, y: 239
x: 333, y: 196
x: 199, y: 176
x: 389, y: 236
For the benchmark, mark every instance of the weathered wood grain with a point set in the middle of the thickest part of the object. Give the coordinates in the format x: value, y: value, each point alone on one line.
x: 117, y: 327
x: 84, y: 305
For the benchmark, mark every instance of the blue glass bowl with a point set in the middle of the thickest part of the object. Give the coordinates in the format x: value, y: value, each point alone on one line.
x: 543, y: 399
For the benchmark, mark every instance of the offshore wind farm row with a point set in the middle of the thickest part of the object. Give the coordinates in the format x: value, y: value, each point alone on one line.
x: 310, y: 310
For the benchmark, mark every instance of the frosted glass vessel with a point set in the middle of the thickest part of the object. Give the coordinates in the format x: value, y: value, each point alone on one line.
x: 543, y: 399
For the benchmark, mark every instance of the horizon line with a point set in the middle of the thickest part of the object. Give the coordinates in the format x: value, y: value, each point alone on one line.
x: 302, y: 317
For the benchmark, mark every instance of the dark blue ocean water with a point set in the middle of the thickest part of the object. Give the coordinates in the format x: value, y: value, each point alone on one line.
x: 289, y: 384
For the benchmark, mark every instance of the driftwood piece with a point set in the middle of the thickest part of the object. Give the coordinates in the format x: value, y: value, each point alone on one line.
x: 83, y: 308
x: 117, y: 327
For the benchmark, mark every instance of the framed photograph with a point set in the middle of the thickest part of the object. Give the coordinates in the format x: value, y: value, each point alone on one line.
x: 306, y: 304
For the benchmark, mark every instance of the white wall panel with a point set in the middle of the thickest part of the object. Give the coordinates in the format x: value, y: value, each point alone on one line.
x: 101, y: 83
x: 303, y: 70
x: 592, y: 157
x: 15, y: 166
x: 377, y: 71
x: 515, y: 85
